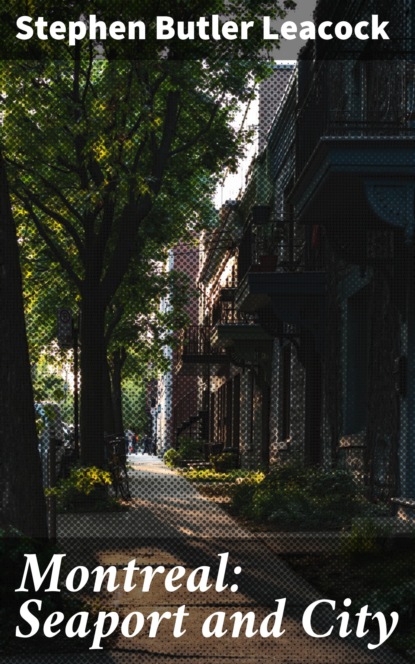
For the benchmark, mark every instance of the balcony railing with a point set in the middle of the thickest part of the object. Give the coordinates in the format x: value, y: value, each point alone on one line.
x: 349, y: 100
x: 225, y: 313
x: 196, y: 347
x: 196, y: 340
x: 257, y: 243
x: 271, y: 247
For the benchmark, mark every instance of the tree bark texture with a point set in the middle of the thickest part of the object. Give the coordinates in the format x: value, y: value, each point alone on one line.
x: 118, y: 359
x: 93, y: 361
x: 22, y: 498
x: 109, y: 414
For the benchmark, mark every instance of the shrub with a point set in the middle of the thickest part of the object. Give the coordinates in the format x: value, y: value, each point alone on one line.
x: 82, y: 482
x: 242, y: 497
x: 223, y: 462
x: 333, y: 483
x: 172, y: 458
x: 244, y: 491
x: 231, y: 476
x: 367, y: 536
x: 293, y: 496
x: 191, y: 448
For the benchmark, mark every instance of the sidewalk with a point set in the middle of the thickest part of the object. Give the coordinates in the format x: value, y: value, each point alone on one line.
x: 171, y: 524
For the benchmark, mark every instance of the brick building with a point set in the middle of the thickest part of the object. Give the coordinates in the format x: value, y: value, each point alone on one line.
x: 304, y: 345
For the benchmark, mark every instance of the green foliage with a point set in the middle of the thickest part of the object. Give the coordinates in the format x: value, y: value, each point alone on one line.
x: 244, y: 491
x: 134, y: 404
x: 190, y: 448
x: 172, y: 458
x: 293, y: 496
x: 400, y: 597
x: 231, y: 476
x: 82, y: 482
x: 223, y: 462
x: 367, y: 536
x: 112, y: 161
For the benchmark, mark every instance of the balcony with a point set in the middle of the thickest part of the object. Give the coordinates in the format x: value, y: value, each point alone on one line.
x: 196, y: 350
x: 297, y: 299
x: 355, y: 153
x: 238, y: 331
x: 259, y: 246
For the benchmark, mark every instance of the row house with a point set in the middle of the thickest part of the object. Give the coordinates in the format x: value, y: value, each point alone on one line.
x: 354, y: 196
x: 228, y: 348
x: 305, y: 342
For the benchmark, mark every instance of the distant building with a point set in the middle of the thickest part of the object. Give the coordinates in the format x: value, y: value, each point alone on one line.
x: 176, y: 394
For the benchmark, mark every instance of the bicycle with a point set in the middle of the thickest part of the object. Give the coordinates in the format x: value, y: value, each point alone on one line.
x: 116, y: 459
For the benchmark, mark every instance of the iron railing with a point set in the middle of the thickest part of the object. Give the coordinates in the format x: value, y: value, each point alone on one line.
x: 225, y: 313
x: 353, y: 100
x: 185, y: 412
x: 264, y: 249
x: 196, y: 343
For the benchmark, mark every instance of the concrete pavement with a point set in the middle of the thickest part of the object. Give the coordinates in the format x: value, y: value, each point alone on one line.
x: 172, y: 525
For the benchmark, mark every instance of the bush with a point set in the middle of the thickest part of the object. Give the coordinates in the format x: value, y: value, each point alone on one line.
x: 223, y: 462
x: 243, y: 493
x: 332, y: 483
x: 172, y: 458
x: 191, y: 448
x: 210, y: 475
x: 296, y: 497
x: 367, y: 536
x: 83, y: 488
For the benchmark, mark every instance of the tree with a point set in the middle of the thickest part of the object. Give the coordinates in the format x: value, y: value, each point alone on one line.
x: 99, y: 149
x: 23, y: 502
x: 138, y: 331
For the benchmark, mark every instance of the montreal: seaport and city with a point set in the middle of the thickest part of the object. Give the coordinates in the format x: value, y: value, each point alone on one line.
x: 205, y: 28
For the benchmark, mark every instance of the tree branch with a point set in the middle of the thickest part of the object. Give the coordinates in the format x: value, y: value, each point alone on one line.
x: 130, y: 220
x: 199, y: 135
x: 169, y: 130
x: 113, y: 323
x: 88, y: 73
x: 70, y: 229
x: 71, y: 208
x: 107, y: 218
x: 57, y: 252
x: 134, y: 212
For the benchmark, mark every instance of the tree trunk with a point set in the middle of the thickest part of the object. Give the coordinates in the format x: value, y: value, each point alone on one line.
x: 109, y: 409
x: 118, y: 359
x: 93, y: 359
x: 22, y: 502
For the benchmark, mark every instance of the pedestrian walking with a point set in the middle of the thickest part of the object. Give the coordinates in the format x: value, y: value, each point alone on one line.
x: 147, y: 445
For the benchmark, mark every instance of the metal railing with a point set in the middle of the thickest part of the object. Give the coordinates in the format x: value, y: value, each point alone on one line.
x: 196, y: 342
x: 184, y: 410
x: 225, y: 313
x: 263, y: 248
x: 354, y: 100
